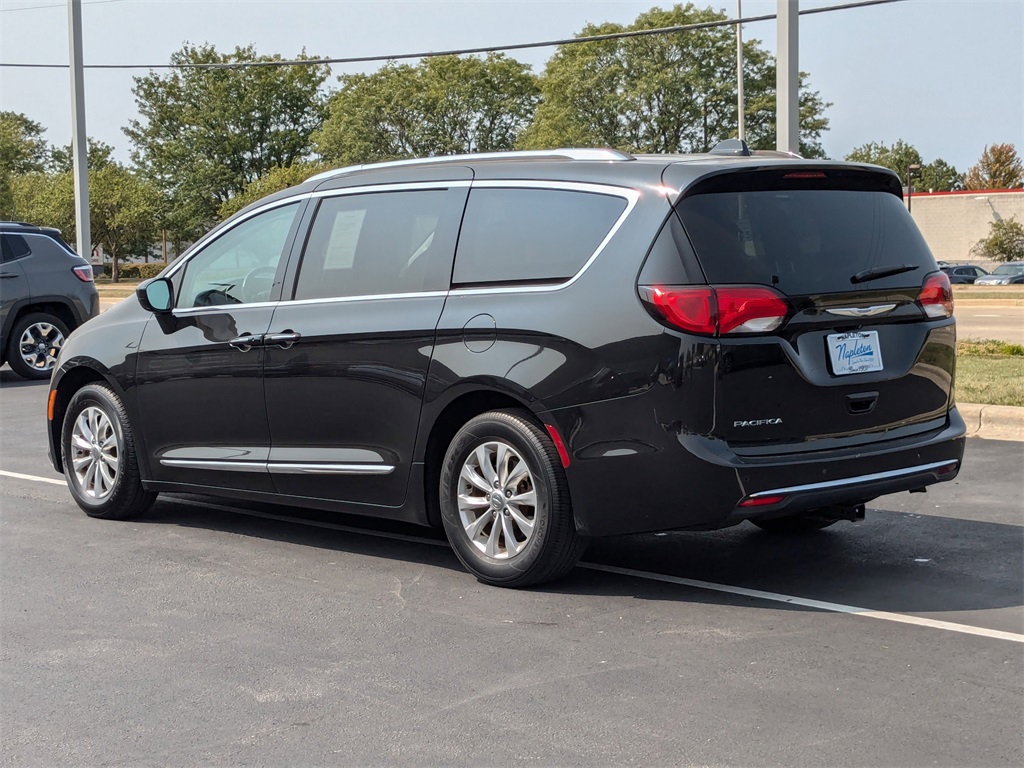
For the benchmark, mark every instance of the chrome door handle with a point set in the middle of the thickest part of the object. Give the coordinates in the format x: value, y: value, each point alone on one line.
x: 284, y: 340
x: 246, y: 342
x: 8, y: 275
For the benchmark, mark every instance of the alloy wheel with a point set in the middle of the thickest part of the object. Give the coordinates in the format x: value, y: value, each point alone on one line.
x: 497, y: 500
x: 39, y: 345
x: 95, y: 453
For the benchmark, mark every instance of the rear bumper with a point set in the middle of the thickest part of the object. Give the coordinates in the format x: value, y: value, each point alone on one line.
x: 678, y: 481
x: 847, y: 491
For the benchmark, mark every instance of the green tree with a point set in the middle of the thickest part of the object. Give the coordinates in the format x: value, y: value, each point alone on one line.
x: 936, y: 176
x: 122, y: 211
x: 443, y: 106
x: 899, y: 157
x: 203, y: 134
x: 663, y: 93
x: 45, y: 199
x: 22, y: 150
x: 98, y: 155
x: 999, y: 168
x: 940, y: 176
x: 1005, y: 241
x: 274, y: 181
x: 122, y: 208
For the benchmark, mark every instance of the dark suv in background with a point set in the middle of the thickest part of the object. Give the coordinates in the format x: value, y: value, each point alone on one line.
x: 46, y: 291
x: 531, y: 349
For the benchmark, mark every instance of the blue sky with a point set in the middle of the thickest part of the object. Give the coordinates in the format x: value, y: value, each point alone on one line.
x: 944, y: 75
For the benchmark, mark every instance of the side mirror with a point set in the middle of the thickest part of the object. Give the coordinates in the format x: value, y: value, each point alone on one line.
x: 156, y: 295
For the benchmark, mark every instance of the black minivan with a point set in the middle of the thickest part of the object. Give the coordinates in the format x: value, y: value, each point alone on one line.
x: 531, y: 349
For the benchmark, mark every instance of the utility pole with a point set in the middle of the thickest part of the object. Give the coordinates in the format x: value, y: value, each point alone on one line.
x: 787, y: 78
x: 739, y: 72
x: 79, y: 149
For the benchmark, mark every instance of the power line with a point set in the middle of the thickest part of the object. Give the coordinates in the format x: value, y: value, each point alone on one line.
x: 55, y: 5
x: 464, y: 51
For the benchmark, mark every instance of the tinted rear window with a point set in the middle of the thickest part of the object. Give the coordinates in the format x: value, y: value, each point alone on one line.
x: 531, y: 235
x: 804, y: 241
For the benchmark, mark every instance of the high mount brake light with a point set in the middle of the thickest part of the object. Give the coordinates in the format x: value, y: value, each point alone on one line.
x: 716, y: 310
x: 936, y: 297
x: 805, y: 175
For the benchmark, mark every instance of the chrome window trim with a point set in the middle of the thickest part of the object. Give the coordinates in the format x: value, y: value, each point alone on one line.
x: 221, y: 309
x: 280, y: 467
x: 842, y: 482
x: 366, y: 297
x: 214, y: 234
x: 630, y: 195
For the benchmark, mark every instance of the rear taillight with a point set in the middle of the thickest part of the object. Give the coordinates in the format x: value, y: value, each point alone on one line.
x: 83, y: 273
x: 711, y: 310
x: 936, y: 297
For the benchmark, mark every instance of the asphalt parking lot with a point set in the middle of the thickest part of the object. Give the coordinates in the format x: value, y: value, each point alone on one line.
x: 216, y: 633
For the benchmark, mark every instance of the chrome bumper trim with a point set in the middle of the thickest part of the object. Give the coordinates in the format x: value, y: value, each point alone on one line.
x: 891, y: 474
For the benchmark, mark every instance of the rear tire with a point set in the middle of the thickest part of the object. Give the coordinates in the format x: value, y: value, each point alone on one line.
x: 790, y: 525
x: 505, y: 502
x: 99, y: 456
x: 34, y: 343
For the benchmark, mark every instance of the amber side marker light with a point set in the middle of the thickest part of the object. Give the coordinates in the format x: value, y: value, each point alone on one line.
x: 50, y: 404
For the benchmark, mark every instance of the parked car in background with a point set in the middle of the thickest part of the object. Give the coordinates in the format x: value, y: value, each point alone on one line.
x: 46, y: 291
x: 962, y: 274
x: 532, y: 349
x: 1010, y: 273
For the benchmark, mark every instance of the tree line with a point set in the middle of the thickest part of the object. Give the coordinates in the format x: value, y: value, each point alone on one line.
x: 209, y: 141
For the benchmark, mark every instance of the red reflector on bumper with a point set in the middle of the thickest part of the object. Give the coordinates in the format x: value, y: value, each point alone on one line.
x: 556, y: 438
x: 761, y: 501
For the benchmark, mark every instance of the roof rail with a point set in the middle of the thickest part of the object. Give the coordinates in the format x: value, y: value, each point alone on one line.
x: 534, y: 154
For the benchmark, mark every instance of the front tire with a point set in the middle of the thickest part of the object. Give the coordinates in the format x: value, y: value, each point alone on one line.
x: 98, y: 450
x: 34, y: 343
x: 505, y: 502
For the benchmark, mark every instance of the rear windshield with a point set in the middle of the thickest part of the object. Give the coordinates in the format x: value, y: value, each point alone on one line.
x: 804, y: 241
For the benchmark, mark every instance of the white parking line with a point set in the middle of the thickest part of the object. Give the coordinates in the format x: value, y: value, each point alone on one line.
x: 820, y: 605
x: 757, y: 594
x: 19, y: 476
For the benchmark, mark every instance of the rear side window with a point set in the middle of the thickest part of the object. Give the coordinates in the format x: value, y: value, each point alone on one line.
x: 14, y: 247
x: 531, y: 235
x: 46, y: 247
x: 377, y: 243
x: 804, y: 241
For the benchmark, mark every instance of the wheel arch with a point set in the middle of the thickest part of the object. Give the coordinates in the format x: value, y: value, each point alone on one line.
x: 72, y: 379
x: 457, y: 411
x: 59, y: 309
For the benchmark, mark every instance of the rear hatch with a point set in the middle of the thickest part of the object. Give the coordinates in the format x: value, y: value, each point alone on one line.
x: 833, y: 319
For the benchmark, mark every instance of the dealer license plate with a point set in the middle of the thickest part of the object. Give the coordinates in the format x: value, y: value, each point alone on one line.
x: 856, y: 352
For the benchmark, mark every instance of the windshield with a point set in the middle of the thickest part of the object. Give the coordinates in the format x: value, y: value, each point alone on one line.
x: 806, y: 241
x: 1009, y: 269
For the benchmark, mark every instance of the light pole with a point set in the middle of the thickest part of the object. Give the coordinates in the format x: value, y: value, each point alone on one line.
x: 739, y: 73
x: 910, y: 182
